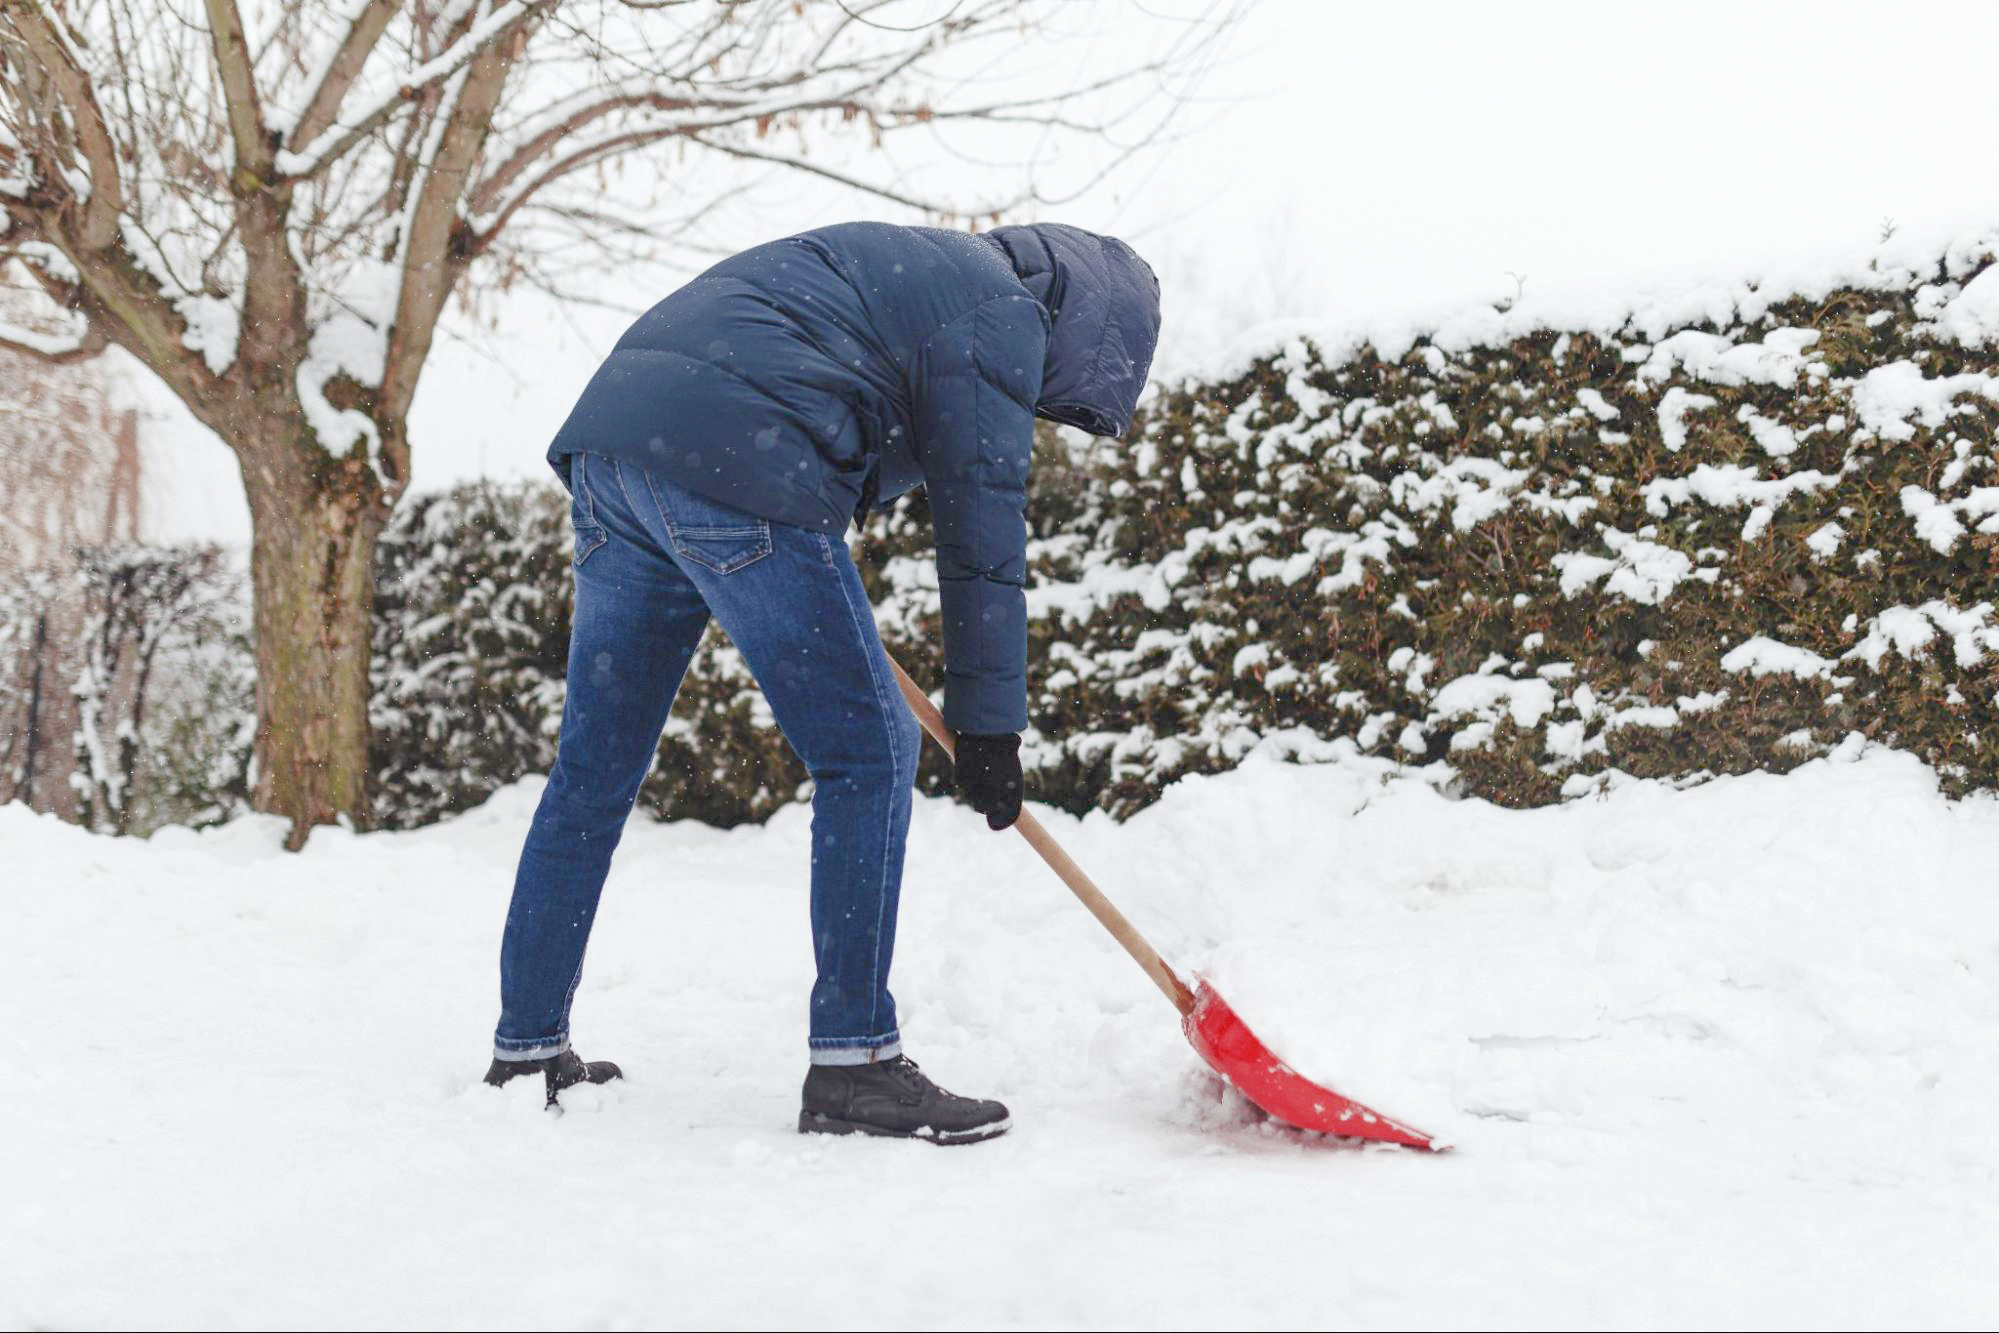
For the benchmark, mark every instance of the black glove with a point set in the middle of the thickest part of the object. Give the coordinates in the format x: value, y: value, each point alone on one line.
x: 989, y: 777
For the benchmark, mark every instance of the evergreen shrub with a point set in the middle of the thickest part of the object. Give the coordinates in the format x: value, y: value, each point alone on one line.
x: 1523, y: 558
x: 1673, y: 548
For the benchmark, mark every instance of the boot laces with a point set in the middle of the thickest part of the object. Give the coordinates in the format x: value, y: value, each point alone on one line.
x: 905, y: 1072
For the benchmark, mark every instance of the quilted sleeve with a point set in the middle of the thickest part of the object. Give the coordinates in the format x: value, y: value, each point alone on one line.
x: 975, y: 385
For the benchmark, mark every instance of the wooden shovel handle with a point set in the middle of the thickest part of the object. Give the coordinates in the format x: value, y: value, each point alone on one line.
x: 1059, y: 861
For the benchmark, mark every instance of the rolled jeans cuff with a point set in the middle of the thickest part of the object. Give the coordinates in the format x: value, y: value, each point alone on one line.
x: 854, y: 1050
x: 520, y: 1049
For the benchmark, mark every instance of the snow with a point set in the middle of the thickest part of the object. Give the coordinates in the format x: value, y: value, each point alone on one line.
x: 1642, y: 571
x: 1825, y: 539
x: 1457, y: 481
x: 1764, y: 656
x: 1728, y: 486
x: 349, y: 337
x: 1673, y: 409
x: 44, y: 343
x: 1887, y: 396
x: 1773, y: 437
x: 1715, y: 359
x: 1711, y: 1057
x: 214, y: 324
x: 1597, y: 405
x: 1935, y: 523
x: 341, y: 344
x: 1972, y: 316
x: 1525, y: 701
x: 1909, y: 631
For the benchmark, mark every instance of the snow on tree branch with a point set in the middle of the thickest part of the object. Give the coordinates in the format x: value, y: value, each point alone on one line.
x: 39, y: 37
x: 369, y: 20
x: 82, y: 345
x: 226, y: 185
x: 239, y: 86
x: 345, y: 135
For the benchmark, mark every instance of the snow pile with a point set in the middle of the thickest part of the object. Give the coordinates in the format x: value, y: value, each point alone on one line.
x: 1719, y: 1056
x: 1777, y: 959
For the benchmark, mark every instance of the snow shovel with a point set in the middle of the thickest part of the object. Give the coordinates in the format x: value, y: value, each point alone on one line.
x: 1217, y: 1034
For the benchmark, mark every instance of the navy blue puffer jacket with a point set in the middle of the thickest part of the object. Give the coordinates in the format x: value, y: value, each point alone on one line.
x: 809, y: 378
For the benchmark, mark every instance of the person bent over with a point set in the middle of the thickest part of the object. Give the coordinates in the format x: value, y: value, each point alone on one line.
x: 713, y: 463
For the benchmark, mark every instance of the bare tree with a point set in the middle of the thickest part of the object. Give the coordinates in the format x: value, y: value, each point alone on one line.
x: 269, y: 203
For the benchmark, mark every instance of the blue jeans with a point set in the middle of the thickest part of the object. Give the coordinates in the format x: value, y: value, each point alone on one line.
x: 653, y: 562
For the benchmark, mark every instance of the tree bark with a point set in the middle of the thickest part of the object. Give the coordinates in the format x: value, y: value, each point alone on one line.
x: 312, y: 557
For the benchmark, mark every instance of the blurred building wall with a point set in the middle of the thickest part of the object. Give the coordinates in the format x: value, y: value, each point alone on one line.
x: 69, y: 464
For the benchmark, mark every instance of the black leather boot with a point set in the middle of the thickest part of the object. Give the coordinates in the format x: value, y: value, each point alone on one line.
x: 561, y: 1071
x: 893, y: 1099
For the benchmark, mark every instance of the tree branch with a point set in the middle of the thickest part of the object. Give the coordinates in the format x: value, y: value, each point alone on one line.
x: 844, y: 88
x: 123, y: 304
x: 595, y: 151
x: 239, y: 92
x: 323, y: 107
x: 995, y: 110
x: 860, y: 16
x: 429, y: 266
x: 273, y: 290
x: 50, y: 45
x: 341, y: 138
x: 856, y: 182
x: 725, y: 111
x: 538, y: 145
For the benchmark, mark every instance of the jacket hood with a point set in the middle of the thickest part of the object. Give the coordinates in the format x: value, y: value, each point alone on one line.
x: 1103, y: 308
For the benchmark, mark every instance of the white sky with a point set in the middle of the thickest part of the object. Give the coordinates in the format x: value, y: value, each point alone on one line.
x: 1360, y: 161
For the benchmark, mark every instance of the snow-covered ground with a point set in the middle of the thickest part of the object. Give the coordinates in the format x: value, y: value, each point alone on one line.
x: 1726, y: 1056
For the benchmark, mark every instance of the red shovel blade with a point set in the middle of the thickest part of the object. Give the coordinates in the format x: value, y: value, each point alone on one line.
x: 1239, y: 1055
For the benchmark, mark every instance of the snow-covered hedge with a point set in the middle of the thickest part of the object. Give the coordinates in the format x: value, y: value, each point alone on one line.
x: 126, y: 687
x: 470, y: 636
x: 1523, y: 552
x: 1689, y: 542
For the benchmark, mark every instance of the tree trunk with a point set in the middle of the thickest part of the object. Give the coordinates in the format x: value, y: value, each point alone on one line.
x: 312, y: 558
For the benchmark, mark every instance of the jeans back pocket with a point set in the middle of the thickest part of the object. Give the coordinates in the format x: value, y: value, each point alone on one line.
x: 724, y: 550
x: 711, y: 534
